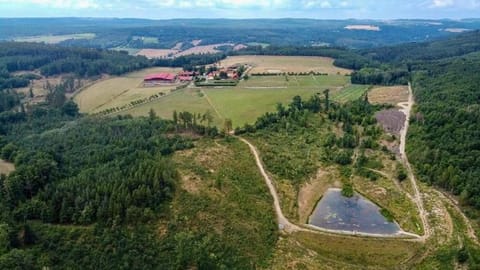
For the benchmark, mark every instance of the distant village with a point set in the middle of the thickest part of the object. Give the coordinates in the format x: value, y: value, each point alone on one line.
x: 212, y: 74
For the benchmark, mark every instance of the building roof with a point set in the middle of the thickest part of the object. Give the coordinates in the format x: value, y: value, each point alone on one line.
x: 160, y: 76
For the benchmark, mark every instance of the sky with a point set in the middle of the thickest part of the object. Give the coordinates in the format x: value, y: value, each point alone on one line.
x: 317, y: 9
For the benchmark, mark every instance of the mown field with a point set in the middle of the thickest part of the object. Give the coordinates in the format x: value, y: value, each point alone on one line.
x: 249, y: 99
x: 243, y: 103
x: 53, y: 39
x: 280, y: 64
x: 118, y: 91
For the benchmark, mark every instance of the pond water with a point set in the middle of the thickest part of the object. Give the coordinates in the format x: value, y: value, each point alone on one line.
x: 355, y: 214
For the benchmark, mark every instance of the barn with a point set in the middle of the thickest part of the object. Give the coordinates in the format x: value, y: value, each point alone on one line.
x: 159, y: 78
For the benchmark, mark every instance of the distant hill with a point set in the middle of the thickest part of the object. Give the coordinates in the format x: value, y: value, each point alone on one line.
x: 350, y: 33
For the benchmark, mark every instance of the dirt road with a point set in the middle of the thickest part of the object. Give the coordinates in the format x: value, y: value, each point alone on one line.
x: 287, y: 226
x: 417, y: 198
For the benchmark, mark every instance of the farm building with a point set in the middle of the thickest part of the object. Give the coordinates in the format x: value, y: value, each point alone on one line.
x: 159, y: 78
x: 186, y: 76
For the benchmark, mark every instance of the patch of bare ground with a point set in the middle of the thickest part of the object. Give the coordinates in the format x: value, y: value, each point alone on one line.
x: 204, y: 49
x: 178, y: 46
x: 196, y: 42
x: 157, y: 53
x: 6, y: 167
x: 312, y: 191
x: 364, y: 27
x: 239, y: 47
x: 392, y: 120
x: 388, y: 95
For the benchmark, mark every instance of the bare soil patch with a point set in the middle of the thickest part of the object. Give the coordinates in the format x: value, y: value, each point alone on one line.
x: 392, y: 120
x: 312, y: 191
x: 202, y: 49
x: 196, y: 42
x: 362, y: 27
x: 6, y: 167
x: 388, y: 95
x: 157, y: 53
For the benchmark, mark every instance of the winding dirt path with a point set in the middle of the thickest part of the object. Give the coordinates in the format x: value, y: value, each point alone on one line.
x: 283, y: 222
x: 287, y: 226
x: 417, y: 198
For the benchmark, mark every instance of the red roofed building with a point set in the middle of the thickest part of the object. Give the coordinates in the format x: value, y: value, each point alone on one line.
x: 186, y: 76
x: 159, y: 78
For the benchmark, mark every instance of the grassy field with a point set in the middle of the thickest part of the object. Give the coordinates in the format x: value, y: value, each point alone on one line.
x: 388, y: 94
x: 245, y: 102
x: 351, y: 92
x: 118, y: 91
x: 51, y: 39
x: 280, y: 64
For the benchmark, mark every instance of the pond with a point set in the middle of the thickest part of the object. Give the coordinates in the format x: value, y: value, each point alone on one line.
x: 355, y: 214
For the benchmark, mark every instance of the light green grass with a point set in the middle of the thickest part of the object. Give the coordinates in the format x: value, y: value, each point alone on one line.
x: 350, y: 93
x: 190, y: 100
x: 245, y: 102
x: 53, y: 39
x: 246, y: 105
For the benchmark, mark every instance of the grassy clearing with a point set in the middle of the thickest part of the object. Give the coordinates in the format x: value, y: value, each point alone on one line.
x: 350, y: 93
x: 51, y: 39
x: 223, y: 198
x: 118, y: 91
x: 243, y: 103
x: 6, y: 167
x: 278, y: 64
x: 388, y: 94
x: 317, y: 251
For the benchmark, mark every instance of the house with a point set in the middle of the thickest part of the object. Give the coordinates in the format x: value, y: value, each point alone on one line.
x: 159, y: 78
x: 186, y: 76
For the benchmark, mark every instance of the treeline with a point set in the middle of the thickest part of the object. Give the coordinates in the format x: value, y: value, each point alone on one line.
x: 189, y: 62
x: 53, y: 60
x: 389, y: 76
x: 443, y: 142
x: 449, y: 47
x: 307, y: 124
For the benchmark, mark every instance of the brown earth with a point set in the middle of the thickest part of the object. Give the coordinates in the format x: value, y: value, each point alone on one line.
x: 392, y: 120
x: 388, y: 95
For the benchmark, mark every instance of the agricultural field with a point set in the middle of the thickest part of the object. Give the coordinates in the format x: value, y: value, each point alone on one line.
x: 280, y: 64
x: 118, y: 91
x: 203, y: 49
x: 351, y: 92
x: 157, y: 53
x: 242, y: 104
x: 388, y: 95
x: 245, y: 102
x: 53, y: 39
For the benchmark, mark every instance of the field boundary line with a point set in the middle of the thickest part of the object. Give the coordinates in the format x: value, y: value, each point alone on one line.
x: 211, y: 105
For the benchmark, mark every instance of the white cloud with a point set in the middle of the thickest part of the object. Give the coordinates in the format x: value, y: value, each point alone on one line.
x: 442, y: 3
x: 60, y: 4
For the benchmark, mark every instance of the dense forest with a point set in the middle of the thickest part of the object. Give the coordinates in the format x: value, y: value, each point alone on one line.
x: 444, y: 140
x: 111, y: 33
